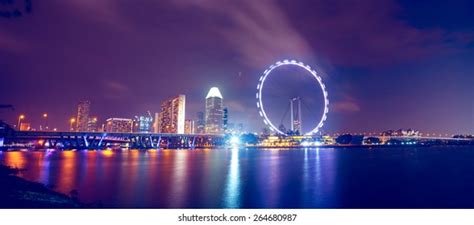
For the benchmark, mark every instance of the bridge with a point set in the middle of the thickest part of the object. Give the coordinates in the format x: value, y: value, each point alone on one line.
x: 101, y: 140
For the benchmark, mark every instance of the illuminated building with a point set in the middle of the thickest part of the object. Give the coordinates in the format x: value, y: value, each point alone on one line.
x: 200, y: 123
x: 233, y: 128
x: 157, y: 123
x: 214, y: 112
x: 226, y: 119
x: 172, y: 115
x: 189, y: 127
x: 82, y: 119
x: 92, y: 125
x: 401, y: 132
x: 143, y: 124
x: 25, y: 126
x: 118, y: 125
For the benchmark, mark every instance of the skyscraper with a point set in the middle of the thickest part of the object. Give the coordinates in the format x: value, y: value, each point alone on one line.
x: 157, y: 123
x: 92, y: 125
x: 226, y: 119
x: 214, y: 112
x: 189, y: 127
x: 172, y: 115
x: 144, y: 123
x: 83, y: 110
x: 200, y: 123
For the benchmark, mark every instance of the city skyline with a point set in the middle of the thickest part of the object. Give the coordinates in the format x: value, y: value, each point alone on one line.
x: 405, y: 67
x: 238, y: 104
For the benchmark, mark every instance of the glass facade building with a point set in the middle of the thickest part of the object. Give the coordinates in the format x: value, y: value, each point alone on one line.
x: 214, y: 112
x: 82, y: 119
x: 200, y: 123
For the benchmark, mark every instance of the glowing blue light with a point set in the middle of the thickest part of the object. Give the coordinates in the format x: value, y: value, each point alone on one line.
x: 234, y: 140
x: 305, y: 143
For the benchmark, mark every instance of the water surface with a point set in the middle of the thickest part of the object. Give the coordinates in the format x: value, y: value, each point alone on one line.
x: 429, y: 177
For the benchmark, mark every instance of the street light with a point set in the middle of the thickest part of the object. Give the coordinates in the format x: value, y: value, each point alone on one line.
x: 21, y: 117
x: 72, y: 121
x: 45, y: 117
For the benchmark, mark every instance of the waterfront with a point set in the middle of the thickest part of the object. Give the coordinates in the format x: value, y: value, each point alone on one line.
x: 405, y: 177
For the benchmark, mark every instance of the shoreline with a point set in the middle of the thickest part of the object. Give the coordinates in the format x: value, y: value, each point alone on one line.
x: 17, y: 192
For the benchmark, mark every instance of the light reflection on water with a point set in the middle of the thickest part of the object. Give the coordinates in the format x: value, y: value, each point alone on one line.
x: 232, y: 186
x: 249, y: 178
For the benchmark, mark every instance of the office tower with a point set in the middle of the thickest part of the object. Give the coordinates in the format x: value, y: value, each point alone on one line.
x: 92, y: 125
x: 189, y: 127
x: 214, y: 112
x: 118, y: 125
x: 157, y: 123
x: 226, y: 120
x: 82, y: 119
x: 172, y: 115
x: 200, y: 123
x: 143, y: 124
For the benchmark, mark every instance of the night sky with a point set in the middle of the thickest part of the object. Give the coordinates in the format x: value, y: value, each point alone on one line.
x: 387, y: 64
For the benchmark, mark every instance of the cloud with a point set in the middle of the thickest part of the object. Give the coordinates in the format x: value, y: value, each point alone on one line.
x: 349, y: 33
x: 236, y: 106
x: 372, y: 34
x: 259, y: 31
x: 115, y: 90
x: 116, y: 86
x: 347, y: 104
x: 103, y: 11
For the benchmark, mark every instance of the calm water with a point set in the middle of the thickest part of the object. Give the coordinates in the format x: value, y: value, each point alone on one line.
x: 324, y: 178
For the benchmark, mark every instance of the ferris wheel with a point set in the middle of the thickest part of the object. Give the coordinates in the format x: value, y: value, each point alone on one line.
x: 261, y: 105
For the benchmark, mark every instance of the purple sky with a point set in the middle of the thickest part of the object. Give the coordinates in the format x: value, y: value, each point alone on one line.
x: 387, y: 64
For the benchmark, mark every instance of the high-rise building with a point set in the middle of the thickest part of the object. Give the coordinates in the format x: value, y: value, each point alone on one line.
x: 172, y: 115
x: 200, y: 123
x: 119, y: 125
x: 226, y: 119
x: 157, y: 123
x: 233, y: 128
x: 92, y: 125
x: 143, y: 124
x: 214, y: 112
x: 82, y: 119
x: 189, y: 127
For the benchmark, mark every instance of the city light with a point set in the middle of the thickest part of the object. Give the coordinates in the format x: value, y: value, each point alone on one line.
x: 235, y: 140
x: 72, y: 121
x: 20, y: 118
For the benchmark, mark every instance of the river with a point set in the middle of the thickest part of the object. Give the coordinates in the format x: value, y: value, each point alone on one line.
x: 405, y: 177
